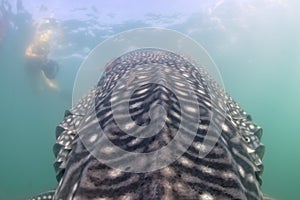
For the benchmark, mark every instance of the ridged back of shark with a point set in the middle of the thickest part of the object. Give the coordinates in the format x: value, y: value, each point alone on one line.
x: 231, y: 170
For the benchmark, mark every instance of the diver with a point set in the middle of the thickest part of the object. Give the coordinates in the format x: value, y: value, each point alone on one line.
x: 38, y: 64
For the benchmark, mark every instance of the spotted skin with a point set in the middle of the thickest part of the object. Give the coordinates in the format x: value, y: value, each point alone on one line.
x: 44, y: 196
x: 231, y: 170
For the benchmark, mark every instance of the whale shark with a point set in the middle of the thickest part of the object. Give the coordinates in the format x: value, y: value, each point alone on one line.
x: 157, y: 126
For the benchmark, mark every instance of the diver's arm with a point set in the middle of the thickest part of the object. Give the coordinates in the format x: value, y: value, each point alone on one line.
x: 48, y: 82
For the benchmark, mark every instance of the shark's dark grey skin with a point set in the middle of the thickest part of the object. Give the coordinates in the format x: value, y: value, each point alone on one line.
x: 231, y: 170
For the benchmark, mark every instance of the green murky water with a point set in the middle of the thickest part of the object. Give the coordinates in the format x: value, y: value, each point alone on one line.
x: 255, y: 45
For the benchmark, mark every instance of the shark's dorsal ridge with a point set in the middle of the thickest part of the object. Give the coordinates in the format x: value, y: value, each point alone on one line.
x: 231, y: 170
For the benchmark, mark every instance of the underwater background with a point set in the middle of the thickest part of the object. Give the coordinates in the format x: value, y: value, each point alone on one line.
x: 254, y: 43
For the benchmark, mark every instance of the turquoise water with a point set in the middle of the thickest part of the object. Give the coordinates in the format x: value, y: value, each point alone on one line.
x: 255, y: 45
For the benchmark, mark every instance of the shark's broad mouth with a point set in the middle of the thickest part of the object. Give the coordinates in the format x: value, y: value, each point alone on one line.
x: 231, y: 170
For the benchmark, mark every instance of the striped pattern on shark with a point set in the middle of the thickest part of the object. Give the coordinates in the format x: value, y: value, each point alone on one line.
x: 231, y: 170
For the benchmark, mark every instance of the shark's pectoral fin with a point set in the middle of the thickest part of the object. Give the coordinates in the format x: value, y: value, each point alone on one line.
x: 45, y: 195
